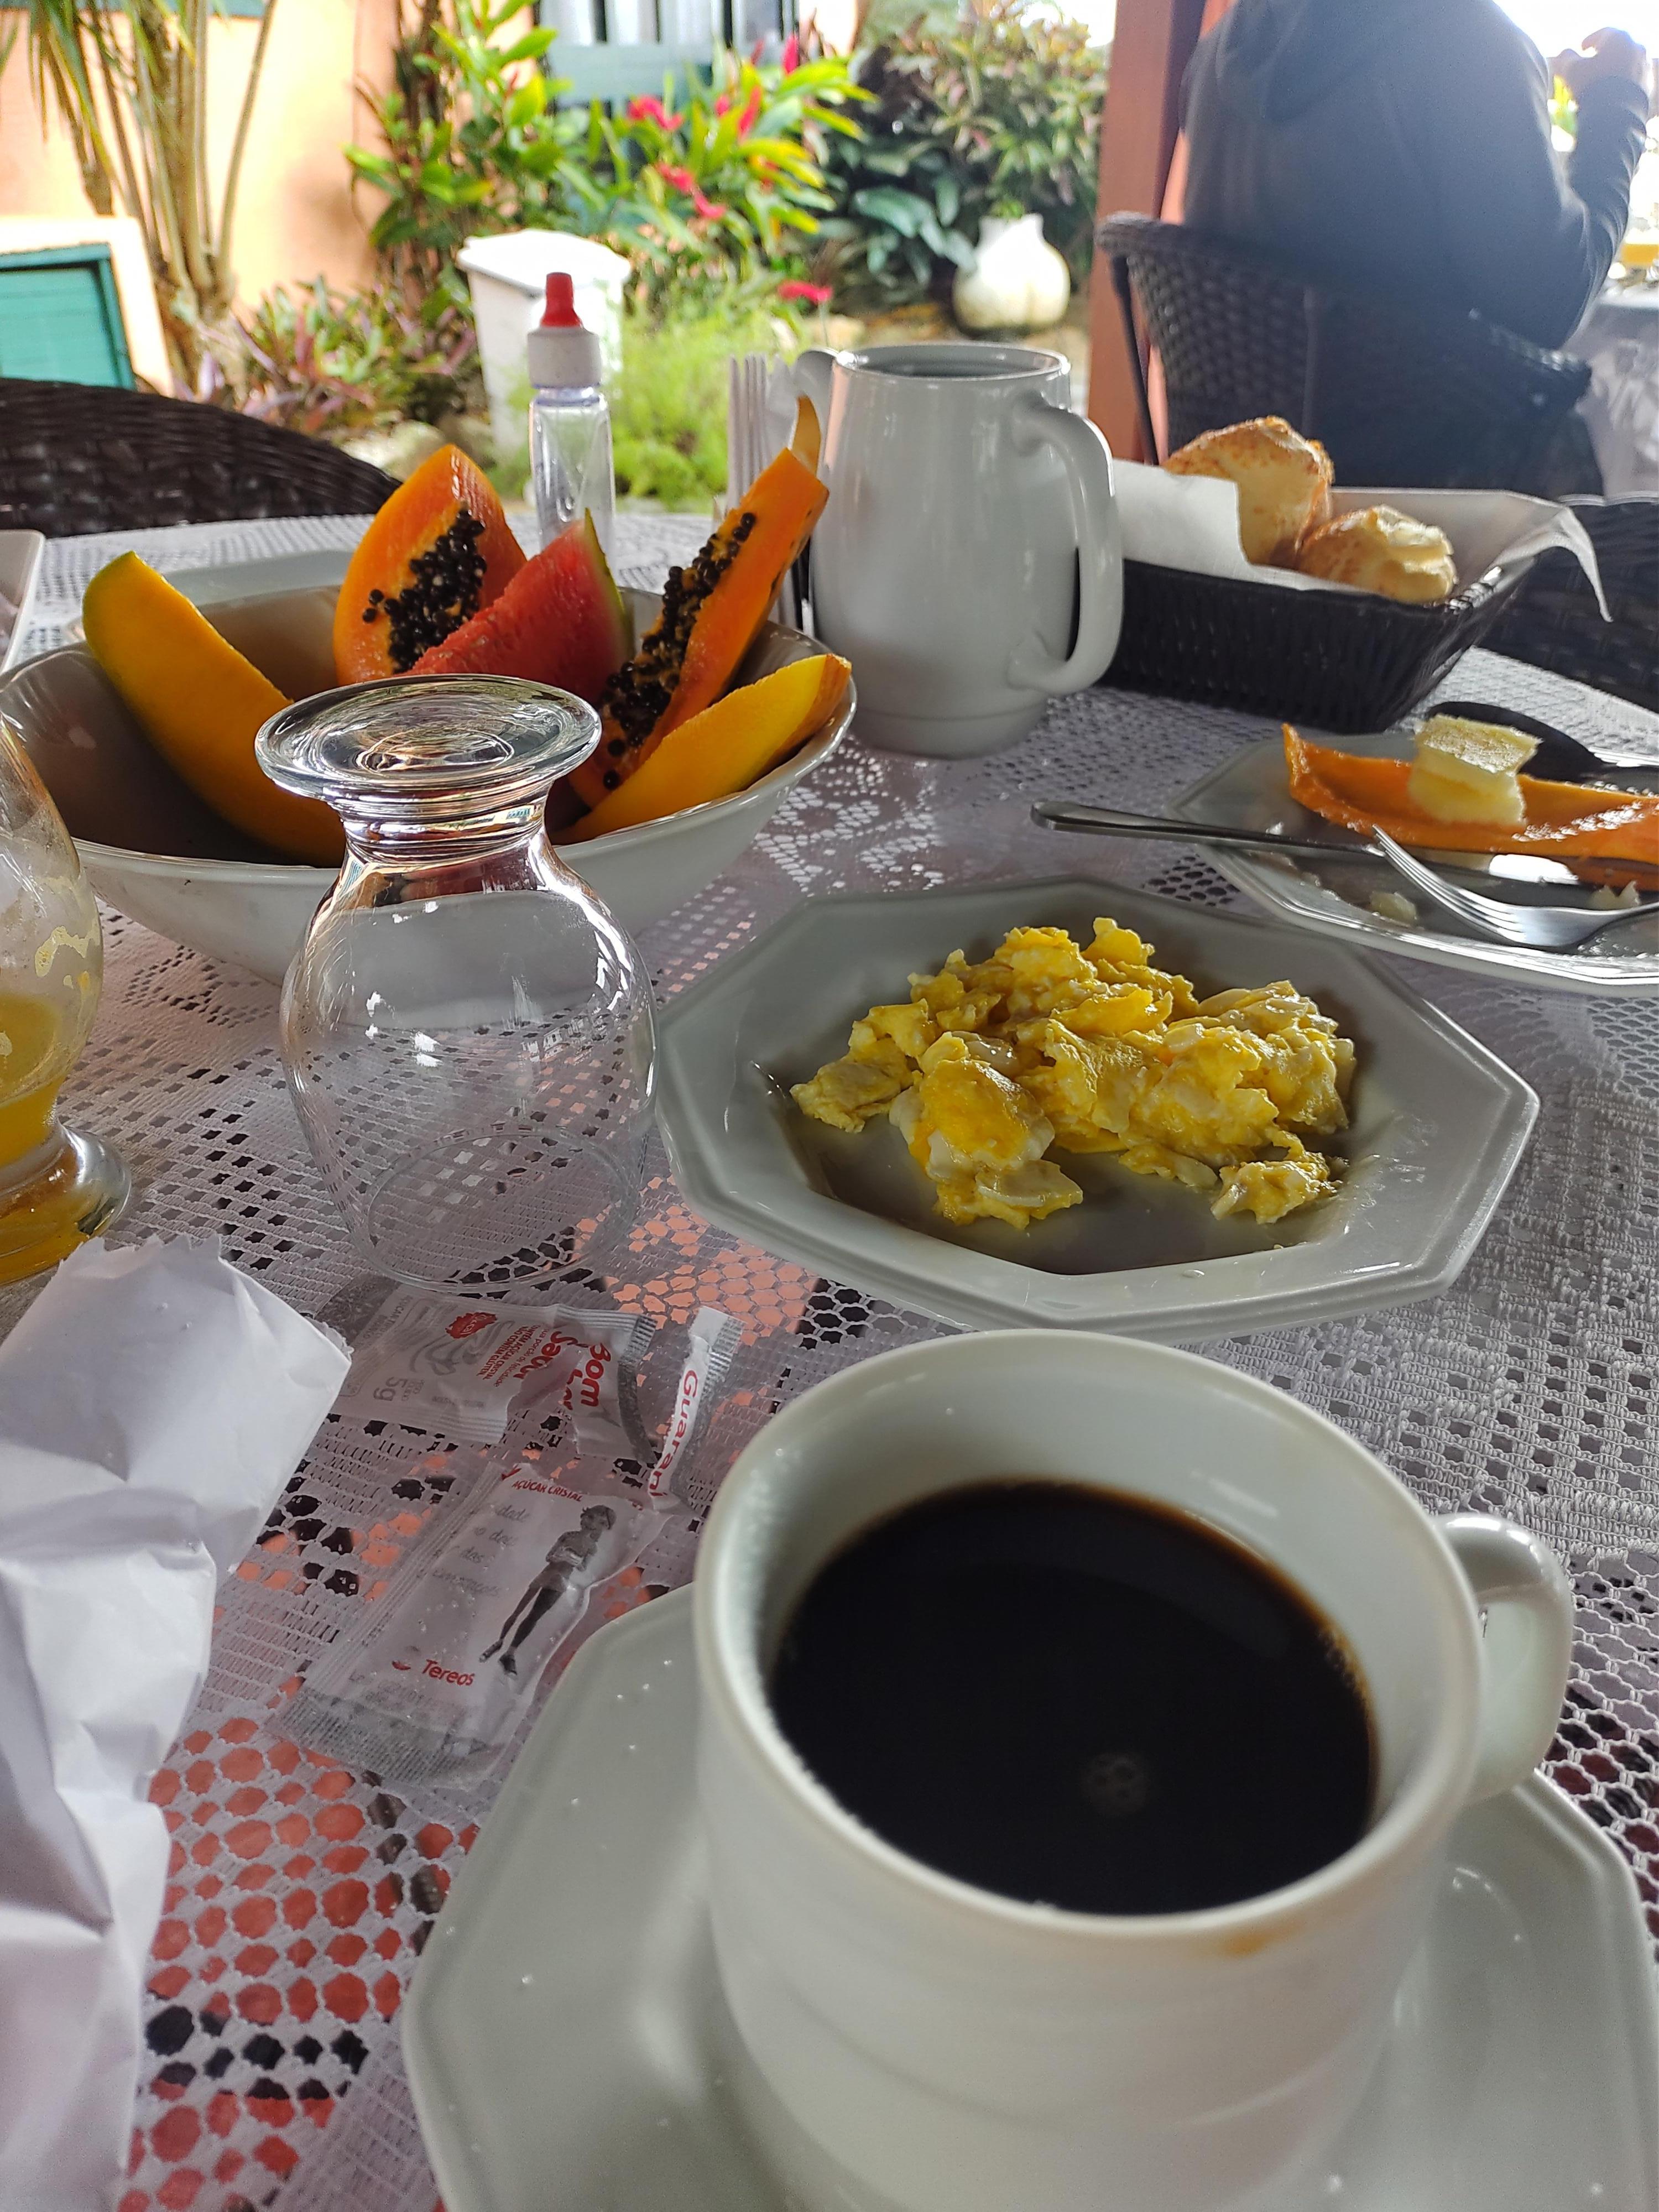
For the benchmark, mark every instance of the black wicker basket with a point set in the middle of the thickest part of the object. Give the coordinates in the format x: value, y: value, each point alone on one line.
x: 1553, y: 622
x: 1342, y: 661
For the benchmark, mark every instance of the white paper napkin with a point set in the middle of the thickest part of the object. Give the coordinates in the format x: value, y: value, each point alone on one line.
x: 1192, y: 523
x: 152, y: 1402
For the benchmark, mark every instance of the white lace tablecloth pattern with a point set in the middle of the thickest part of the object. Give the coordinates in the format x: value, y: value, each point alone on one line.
x: 303, y: 1893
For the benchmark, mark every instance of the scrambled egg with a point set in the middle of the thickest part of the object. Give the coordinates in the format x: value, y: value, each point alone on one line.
x: 990, y: 1065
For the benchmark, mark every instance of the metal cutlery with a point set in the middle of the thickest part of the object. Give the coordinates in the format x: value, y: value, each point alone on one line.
x: 1541, y: 928
x: 1510, y: 922
x: 1559, y: 758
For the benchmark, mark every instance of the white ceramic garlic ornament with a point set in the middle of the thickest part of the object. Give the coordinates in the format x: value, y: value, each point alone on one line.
x: 1017, y: 282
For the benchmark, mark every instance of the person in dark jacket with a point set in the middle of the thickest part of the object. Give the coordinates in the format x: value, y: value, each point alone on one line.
x: 1403, y: 147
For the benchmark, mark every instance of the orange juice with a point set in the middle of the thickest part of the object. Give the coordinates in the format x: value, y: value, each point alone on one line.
x: 50, y: 1197
x: 56, y: 1187
x: 36, y: 1048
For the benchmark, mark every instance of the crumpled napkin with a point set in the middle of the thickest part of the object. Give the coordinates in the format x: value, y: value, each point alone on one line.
x: 152, y: 1402
x: 1192, y: 523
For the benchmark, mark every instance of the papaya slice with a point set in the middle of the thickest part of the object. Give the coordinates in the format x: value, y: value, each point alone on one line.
x: 1564, y: 822
x: 200, y: 703
x: 712, y: 612
x: 725, y: 748
x: 439, y: 549
x: 560, y: 621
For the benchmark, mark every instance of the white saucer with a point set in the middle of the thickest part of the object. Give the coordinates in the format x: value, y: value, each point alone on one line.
x: 564, y: 2040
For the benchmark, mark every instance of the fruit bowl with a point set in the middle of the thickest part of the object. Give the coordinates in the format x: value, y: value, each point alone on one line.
x: 154, y: 852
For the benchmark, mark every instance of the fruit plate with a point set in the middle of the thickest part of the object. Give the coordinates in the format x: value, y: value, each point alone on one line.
x: 1251, y: 792
x: 155, y: 853
x: 1438, y: 1125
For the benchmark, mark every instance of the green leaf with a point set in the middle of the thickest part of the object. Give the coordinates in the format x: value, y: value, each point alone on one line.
x: 526, y: 103
x: 530, y: 48
x: 902, y: 211
x: 890, y: 160
x: 947, y: 197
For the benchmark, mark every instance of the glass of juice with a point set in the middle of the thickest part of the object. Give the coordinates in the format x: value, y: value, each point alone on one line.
x: 56, y: 1188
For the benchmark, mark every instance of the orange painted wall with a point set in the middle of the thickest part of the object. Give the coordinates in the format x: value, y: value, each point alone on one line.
x: 296, y: 217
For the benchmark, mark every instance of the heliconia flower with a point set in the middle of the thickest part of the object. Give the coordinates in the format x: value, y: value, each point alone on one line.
x: 750, y: 115
x: 713, y: 209
x: 723, y: 103
x: 791, y: 54
x: 682, y: 179
x: 814, y: 295
x: 649, y: 109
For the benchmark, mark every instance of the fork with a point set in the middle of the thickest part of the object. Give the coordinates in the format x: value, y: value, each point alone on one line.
x: 1539, y: 928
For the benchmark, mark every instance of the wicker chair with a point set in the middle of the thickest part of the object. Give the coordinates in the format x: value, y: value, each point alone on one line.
x: 1398, y: 394
x: 77, y: 458
x: 1553, y: 621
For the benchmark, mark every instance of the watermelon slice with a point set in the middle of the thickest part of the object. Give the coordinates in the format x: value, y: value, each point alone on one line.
x: 560, y: 621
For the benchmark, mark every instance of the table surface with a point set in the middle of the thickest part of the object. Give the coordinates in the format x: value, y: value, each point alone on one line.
x: 301, y: 1893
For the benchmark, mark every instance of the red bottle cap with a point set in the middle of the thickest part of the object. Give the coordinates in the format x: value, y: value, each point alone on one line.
x: 560, y: 313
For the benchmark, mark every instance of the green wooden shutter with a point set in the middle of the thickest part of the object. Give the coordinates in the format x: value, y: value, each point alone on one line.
x: 60, y: 317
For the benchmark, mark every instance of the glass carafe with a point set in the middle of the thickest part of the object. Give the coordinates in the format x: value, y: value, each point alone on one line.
x: 467, y: 1032
x: 56, y: 1188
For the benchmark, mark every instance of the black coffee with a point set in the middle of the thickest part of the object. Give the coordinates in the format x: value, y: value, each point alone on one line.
x: 1074, y: 1698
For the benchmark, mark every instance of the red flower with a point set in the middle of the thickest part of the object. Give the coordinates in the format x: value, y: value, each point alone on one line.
x: 815, y: 295
x: 750, y: 114
x: 682, y: 179
x: 791, y: 54
x: 650, y: 109
x: 713, y: 209
x: 723, y: 103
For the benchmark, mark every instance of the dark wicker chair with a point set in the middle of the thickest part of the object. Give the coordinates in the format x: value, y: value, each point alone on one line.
x: 1398, y: 395
x: 77, y: 458
x: 1553, y: 621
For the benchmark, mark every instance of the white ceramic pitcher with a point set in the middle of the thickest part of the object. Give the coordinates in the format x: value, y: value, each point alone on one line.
x: 971, y: 514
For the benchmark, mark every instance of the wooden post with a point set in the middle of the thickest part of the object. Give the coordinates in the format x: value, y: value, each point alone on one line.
x: 1153, y: 43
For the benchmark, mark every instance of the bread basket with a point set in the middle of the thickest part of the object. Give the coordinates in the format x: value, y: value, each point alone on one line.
x: 1342, y: 661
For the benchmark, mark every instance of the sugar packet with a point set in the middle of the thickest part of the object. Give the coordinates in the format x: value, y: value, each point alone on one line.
x: 461, y: 1364
x: 432, y: 1685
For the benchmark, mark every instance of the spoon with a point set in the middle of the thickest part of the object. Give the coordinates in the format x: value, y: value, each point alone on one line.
x: 1559, y: 758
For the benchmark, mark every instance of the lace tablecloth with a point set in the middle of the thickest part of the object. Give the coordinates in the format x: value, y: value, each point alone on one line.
x: 303, y: 1893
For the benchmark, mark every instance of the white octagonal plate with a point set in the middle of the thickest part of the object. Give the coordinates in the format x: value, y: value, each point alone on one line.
x: 1438, y: 1124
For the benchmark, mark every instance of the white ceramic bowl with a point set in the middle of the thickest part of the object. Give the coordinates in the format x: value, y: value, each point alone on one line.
x: 155, y: 853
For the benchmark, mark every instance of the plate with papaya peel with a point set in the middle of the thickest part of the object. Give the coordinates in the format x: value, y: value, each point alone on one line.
x: 711, y: 712
x: 1470, y: 809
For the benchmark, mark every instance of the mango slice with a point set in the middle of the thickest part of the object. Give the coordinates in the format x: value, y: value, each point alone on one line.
x: 1564, y: 822
x: 725, y: 748
x: 199, y: 703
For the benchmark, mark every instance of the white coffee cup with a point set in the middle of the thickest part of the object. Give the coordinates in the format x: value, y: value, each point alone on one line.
x: 969, y: 509
x: 908, y: 2041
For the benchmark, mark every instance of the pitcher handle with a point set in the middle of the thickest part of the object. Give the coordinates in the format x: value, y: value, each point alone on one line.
x: 1094, y: 524
x: 1522, y: 1590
